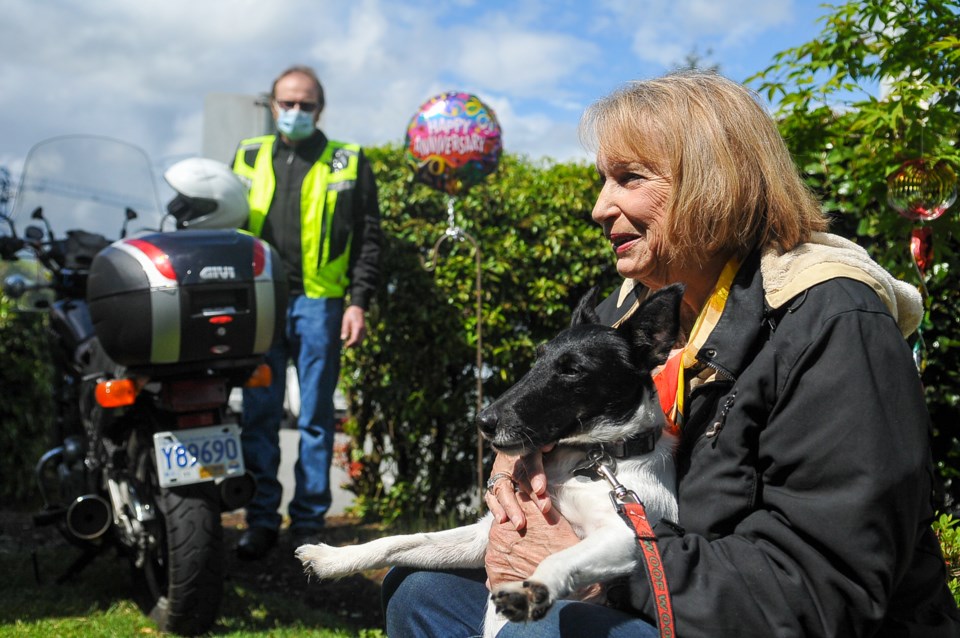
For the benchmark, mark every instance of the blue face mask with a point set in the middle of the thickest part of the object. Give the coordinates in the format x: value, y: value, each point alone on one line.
x: 295, y: 124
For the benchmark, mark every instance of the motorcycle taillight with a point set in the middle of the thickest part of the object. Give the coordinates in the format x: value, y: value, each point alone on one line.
x: 259, y: 258
x: 159, y: 259
x: 116, y: 393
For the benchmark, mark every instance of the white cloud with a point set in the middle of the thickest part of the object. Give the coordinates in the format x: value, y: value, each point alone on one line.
x: 665, y: 31
x: 140, y: 70
x: 515, y: 60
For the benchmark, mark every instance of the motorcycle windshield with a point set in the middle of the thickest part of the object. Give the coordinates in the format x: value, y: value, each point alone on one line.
x: 89, y: 183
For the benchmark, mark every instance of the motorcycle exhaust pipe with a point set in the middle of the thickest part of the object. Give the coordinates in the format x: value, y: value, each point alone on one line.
x: 50, y: 456
x: 236, y: 491
x: 89, y: 517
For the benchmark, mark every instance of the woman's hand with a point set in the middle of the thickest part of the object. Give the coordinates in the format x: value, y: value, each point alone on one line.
x: 516, y: 475
x: 513, y: 554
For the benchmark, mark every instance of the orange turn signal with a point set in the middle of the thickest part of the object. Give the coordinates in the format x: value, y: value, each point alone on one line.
x: 262, y: 377
x: 117, y: 393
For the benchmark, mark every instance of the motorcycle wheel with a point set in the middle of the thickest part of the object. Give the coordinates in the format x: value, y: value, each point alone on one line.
x: 182, y: 579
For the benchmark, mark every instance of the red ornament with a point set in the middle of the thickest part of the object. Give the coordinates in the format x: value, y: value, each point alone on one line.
x: 920, y: 191
x: 921, y: 247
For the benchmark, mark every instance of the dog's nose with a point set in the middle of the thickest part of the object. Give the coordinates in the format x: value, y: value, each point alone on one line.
x: 487, y: 422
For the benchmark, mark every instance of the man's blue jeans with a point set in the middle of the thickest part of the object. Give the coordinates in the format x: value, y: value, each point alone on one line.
x: 312, y: 341
x: 452, y: 604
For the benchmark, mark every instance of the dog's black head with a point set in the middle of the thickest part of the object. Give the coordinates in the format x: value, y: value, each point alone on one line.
x: 590, y: 382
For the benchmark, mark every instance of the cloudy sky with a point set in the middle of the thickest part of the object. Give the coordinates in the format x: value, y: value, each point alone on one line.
x: 139, y: 70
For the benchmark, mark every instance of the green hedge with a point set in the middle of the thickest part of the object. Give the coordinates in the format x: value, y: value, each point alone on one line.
x: 848, y: 142
x: 25, y: 402
x: 412, y: 386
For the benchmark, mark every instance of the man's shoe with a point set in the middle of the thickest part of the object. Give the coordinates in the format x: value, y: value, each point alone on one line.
x: 256, y: 542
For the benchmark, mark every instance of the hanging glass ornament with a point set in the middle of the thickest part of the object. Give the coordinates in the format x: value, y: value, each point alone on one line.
x: 920, y: 352
x: 921, y: 191
x: 921, y: 250
x: 921, y: 247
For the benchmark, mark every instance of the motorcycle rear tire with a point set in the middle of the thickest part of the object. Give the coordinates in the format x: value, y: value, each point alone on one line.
x: 183, y: 579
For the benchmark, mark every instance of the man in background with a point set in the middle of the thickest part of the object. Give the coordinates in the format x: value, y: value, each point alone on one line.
x: 315, y: 201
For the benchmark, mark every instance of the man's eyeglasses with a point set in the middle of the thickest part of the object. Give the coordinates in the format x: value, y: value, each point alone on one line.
x: 306, y: 107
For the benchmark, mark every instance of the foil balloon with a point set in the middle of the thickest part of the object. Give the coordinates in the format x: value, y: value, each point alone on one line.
x: 920, y: 191
x: 453, y: 142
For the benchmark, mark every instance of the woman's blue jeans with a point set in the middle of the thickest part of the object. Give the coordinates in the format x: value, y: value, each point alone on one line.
x: 312, y: 342
x: 452, y: 604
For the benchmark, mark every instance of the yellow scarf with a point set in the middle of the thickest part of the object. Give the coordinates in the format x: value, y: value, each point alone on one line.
x: 670, y: 381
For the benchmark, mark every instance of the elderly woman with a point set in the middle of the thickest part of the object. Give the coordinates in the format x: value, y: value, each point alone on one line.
x: 804, y: 471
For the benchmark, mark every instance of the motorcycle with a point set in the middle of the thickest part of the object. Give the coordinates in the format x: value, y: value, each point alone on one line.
x: 149, y: 333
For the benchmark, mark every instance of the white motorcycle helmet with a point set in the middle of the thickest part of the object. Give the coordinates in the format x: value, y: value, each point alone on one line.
x: 209, y: 195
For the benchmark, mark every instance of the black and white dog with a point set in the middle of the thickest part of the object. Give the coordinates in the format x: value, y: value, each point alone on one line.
x: 591, y: 393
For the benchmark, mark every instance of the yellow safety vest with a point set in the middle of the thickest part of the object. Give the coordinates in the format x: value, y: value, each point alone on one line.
x: 324, y: 275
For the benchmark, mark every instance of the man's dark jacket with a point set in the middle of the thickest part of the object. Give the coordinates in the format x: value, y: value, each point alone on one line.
x: 358, y: 217
x: 807, y: 510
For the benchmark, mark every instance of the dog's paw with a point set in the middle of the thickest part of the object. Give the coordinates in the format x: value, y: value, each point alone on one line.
x: 528, y: 600
x: 319, y: 560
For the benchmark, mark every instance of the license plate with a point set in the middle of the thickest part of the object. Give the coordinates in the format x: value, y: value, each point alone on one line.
x: 198, y: 455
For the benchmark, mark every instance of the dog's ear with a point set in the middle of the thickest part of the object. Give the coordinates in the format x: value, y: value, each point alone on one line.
x: 654, y: 327
x: 586, y: 310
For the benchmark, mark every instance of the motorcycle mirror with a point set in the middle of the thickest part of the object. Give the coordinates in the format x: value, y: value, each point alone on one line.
x: 38, y: 214
x: 130, y: 216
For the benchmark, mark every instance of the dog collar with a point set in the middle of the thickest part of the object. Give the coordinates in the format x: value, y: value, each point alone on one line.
x: 643, y: 443
x: 605, y: 455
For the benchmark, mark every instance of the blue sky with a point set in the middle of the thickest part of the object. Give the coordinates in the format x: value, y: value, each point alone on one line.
x: 139, y: 71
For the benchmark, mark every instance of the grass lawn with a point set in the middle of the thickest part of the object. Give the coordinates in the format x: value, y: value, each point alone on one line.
x: 270, y: 597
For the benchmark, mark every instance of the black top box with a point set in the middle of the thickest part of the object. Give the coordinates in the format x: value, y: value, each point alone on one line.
x: 161, y: 299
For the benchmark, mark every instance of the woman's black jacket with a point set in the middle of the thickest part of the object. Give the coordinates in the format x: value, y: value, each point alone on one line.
x: 806, y: 511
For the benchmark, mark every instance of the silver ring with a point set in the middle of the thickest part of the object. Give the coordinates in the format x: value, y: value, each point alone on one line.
x: 496, y: 477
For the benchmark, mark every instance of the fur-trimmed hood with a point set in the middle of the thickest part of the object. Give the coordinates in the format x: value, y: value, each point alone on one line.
x: 827, y: 256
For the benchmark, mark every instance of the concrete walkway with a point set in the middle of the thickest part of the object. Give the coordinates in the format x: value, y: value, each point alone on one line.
x: 289, y: 440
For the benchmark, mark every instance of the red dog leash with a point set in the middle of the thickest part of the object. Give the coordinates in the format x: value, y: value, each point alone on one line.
x: 635, y: 517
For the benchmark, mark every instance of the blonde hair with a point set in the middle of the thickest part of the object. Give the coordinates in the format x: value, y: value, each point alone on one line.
x: 736, y: 187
